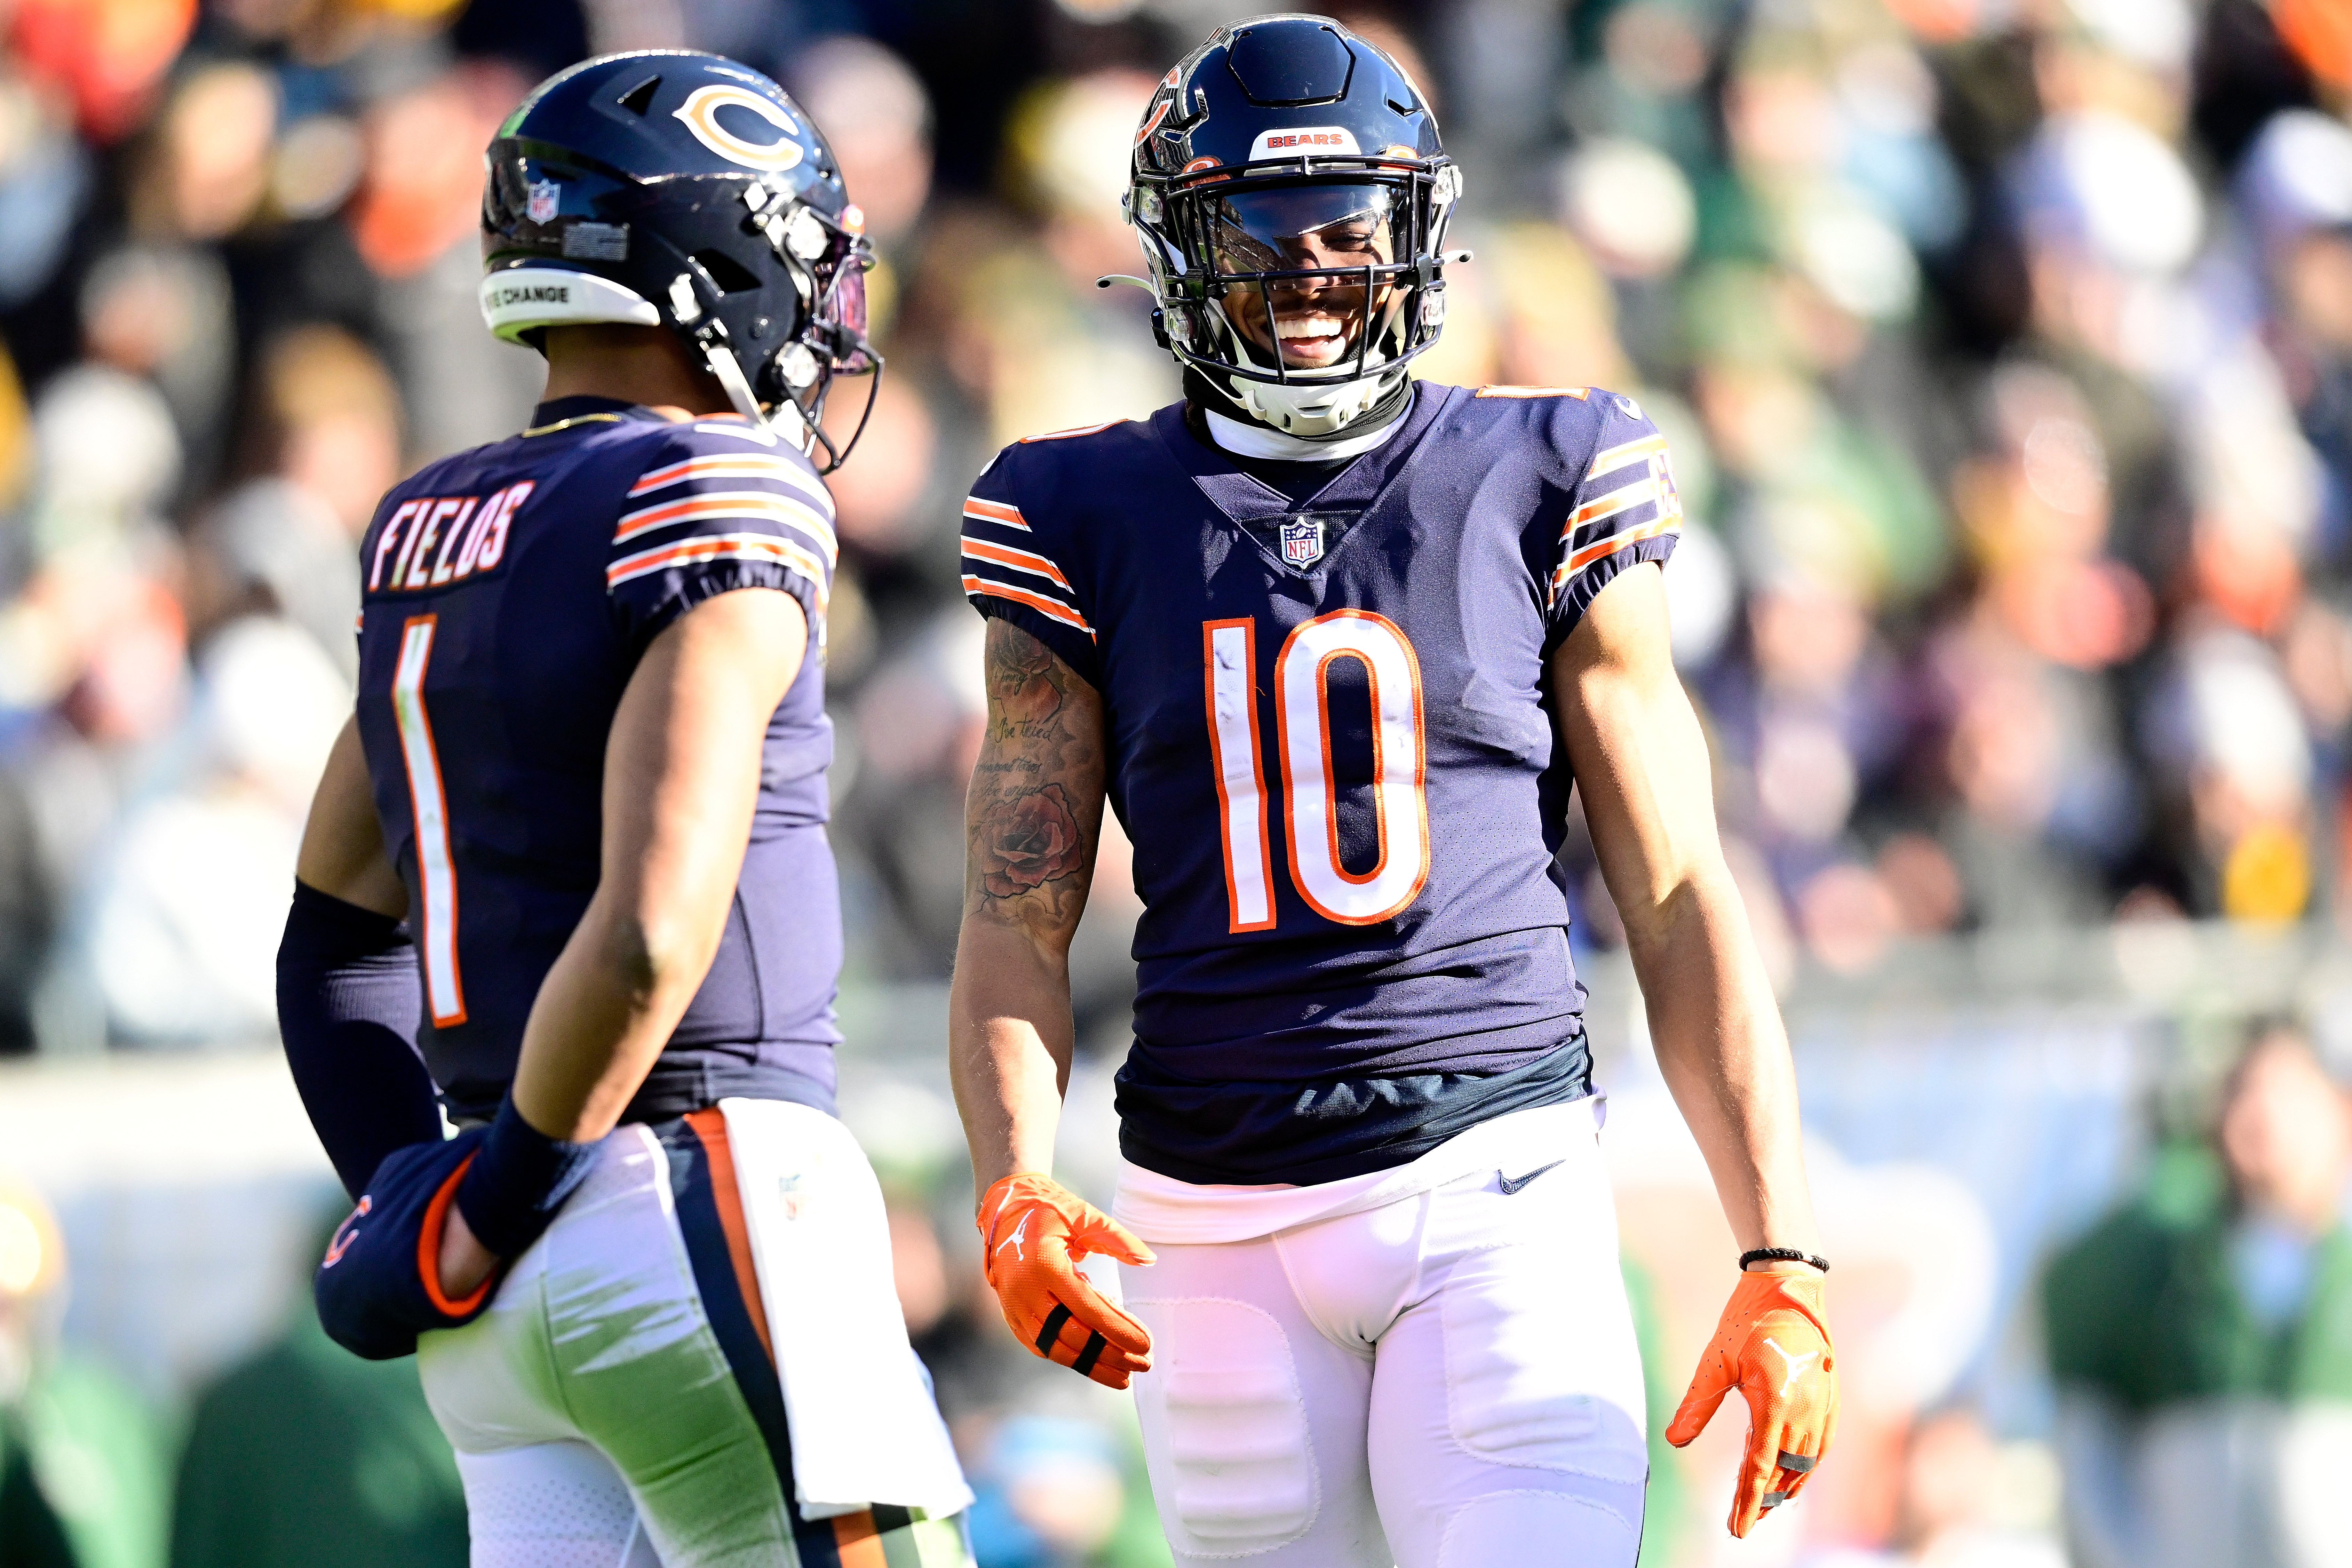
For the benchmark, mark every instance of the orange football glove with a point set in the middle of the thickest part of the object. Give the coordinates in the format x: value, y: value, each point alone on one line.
x: 1033, y: 1231
x: 1773, y: 1345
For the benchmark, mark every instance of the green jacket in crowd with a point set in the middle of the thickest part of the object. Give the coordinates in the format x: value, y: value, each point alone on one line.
x: 307, y: 1456
x: 2146, y: 1309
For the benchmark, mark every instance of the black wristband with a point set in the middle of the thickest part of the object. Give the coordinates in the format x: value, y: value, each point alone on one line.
x: 1765, y: 1254
x: 518, y: 1180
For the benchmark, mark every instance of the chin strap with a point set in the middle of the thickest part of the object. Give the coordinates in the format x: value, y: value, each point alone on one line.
x: 722, y: 364
x: 787, y: 422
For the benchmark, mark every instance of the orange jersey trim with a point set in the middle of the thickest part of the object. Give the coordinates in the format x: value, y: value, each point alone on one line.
x: 995, y: 511
x: 746, y: 504
x: 723, y: 466
x: 1611, y: 546
x: 761, y: 547
x: 1019, y: 560
x: 1640, y: 492
x: 1618, y: 456
x: 1052, y: 609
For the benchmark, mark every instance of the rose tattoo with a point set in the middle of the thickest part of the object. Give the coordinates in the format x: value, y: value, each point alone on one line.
x: 1036, y: 841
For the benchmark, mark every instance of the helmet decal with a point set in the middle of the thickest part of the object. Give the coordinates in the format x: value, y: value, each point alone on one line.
x: 699, y: 114
x: 1336, y: 139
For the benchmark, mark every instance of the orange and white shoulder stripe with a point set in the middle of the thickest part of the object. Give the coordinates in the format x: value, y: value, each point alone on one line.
x: 710, y: 466
x: 1599, y: 550
x: 764, y: 548
x: 1019, y: 574
x: 1602, y: 527
x: 979, y: 587
x: 1005, y: 514
x: 728, y: 506
x: 1624, y: 453
x: 1024, y: 560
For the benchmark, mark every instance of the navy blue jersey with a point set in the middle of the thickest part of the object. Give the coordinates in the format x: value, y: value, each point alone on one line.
x: 509, y: 592
x: 1330, y: 740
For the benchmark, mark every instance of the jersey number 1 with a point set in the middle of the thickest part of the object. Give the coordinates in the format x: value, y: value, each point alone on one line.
x: 437, y: 876
x: 1302, y: 709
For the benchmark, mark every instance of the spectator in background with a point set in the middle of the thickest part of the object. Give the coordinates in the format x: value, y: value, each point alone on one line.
x: 82, y: 1480
x: 2203, y: 1341
x: 306, y: 1457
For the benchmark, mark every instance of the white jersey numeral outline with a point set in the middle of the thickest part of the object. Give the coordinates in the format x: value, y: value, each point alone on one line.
x: 1311, y: 803
x: 1229, y: 651
x: 437, y: 874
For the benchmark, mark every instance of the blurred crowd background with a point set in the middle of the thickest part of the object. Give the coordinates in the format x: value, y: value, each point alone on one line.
x: 2005, y: 348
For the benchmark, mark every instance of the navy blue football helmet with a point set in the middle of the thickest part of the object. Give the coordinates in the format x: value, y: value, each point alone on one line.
x: 679, y: 189
x: 1292, y: 195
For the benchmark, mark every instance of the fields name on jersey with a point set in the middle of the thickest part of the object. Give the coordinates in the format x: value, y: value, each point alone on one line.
x: 434, y: 540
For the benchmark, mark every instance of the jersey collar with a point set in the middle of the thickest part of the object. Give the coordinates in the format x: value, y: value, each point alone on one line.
x: 1354, y: 485
x: 566, y: 411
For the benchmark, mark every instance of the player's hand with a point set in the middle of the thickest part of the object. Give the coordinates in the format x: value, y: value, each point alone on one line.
x: 1773, y: 1345
x: 464, y: 1262
x: 1033, y: 1231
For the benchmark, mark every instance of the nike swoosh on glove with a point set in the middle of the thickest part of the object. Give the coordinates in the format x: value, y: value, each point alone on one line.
x: 1772, y: 1343
x: 1033, y: 1231
x: 380, y: 1284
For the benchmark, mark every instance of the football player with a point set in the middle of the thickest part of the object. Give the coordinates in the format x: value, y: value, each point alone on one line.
x: 1335, y: 645
x: 572, y: 843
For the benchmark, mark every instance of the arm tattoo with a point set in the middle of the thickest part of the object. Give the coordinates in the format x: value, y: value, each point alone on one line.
x: 1035, y: 813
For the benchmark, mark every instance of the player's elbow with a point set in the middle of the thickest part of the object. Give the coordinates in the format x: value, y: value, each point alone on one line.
x: 1687, y: 906
x: 651, y: 953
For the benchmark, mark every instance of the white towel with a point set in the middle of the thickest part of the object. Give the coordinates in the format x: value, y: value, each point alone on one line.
x: 865, y: 1428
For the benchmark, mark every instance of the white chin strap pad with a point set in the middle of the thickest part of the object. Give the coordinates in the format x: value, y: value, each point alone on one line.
x: 1313, y: 407
x: 523, y: 298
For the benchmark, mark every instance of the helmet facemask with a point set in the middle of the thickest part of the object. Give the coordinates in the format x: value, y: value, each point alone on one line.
x: 827, y: 261
x: 1300, y: 290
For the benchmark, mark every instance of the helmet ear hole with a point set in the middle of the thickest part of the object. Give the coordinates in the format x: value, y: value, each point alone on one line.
x: 731, y: 276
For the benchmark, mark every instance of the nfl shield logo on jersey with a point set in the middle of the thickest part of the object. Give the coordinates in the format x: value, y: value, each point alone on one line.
x: 542, y: 203
x: 1302, y: 540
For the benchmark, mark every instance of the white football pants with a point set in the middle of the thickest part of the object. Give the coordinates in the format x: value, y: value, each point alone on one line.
x: 1447, y: 1378
x: 620, y: 1406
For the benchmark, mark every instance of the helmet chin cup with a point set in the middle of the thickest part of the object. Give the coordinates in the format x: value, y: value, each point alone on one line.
x: 1311, y: 409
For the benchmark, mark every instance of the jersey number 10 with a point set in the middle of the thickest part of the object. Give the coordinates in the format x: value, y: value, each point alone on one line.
x: 1302, y: 708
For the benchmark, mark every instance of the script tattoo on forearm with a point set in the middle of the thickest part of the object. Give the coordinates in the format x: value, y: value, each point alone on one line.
x: 1035, y: 813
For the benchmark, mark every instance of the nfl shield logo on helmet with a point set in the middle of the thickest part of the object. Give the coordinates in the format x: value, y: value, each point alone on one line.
x: 542, y: 204
x: 1302, y: 540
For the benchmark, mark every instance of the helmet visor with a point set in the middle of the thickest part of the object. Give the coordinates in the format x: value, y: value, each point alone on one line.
x: 1288, y: 228
x: 841, y: 313
x: 1306, y: 267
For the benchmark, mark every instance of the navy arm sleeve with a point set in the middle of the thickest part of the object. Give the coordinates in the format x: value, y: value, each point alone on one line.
x: 348, y: 999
